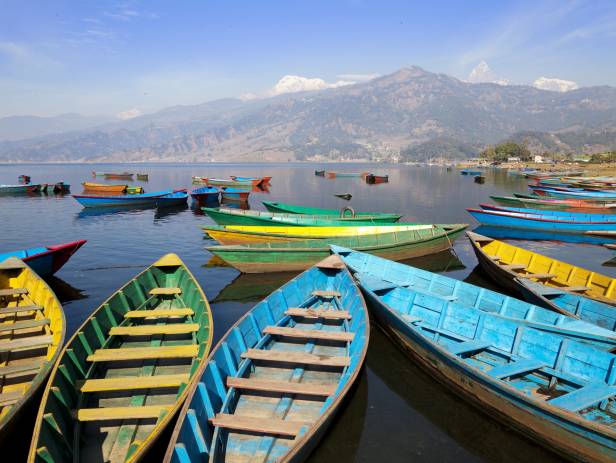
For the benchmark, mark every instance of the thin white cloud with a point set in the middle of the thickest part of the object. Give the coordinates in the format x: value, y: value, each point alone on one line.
x: 357, y: 77
x: 294, y: 84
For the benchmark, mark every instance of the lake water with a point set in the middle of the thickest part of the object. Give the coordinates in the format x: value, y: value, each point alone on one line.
x: 396, y: 413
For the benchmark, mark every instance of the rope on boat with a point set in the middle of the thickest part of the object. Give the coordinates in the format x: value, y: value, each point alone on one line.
x: 344, y: 210
x: 451, y: 244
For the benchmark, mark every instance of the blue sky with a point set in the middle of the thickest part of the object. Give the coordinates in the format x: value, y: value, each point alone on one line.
x: 99, y: 57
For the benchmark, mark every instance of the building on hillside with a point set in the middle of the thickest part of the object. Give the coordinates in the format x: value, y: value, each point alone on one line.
x: 513, y: 159
x: 539, y: 158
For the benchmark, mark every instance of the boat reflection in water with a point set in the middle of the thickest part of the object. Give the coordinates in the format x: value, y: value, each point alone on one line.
x: 243, y: 205
x: 165, y: 212
x: 93, y: 212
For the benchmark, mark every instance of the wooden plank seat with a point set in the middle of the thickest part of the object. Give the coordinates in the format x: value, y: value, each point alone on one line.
x: 284, y: 387
x: 21, y: 368
x: 24, y: 325
x: 165, y: 291
x: 258, y: 425
x: 343, y: 336
x: 132, y: 382
x: 160, y: 313
x: 539, y: 276
x: 150, y: 330
x: 122, y: 413
x: 19, y: 309
x: 374, y: 284
x: 9, y: 398
x: 143, y: 353
x: 318, y: 313
x: 296, y: 357
x: 576, y: 289
x: 326, y: 294
x: 515, y: 267
x: 515, y: 368
x: 411, y: 319
x: 33, y: 342
x: 494, y: 257
x: 584, y: 397
x: 13, y: 292
x: 468, y: 347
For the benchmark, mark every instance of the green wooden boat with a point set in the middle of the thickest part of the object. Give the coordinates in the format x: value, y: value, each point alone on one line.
x: 273, y: 206
x: 224, y: 216
x: 127, y: 370
x: 299, y: 255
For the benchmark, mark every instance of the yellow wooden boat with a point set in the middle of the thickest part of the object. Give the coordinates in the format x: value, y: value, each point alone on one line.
x: 505, y: 263
x: 32, y: 329
x: 246, y: 234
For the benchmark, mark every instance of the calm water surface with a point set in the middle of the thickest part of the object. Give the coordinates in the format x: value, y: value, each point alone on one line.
x: 396, y: 413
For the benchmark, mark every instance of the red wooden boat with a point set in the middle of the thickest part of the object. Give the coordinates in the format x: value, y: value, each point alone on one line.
x: 373, y: 179
x: 46, y: 260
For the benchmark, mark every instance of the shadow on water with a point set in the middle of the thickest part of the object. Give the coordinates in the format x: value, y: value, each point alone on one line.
x: 91, y: 212
x: 252, y: 287
x: 164, y: 212
x: 436, y: 424
x: 64, y: 291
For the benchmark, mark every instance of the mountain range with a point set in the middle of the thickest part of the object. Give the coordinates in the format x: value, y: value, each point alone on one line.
x: 409, y: 114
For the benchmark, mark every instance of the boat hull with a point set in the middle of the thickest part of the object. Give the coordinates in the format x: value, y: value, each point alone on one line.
x: 535, y: 424
x: 124, y: 200
x: 517, y: 220
x: 101, y: 188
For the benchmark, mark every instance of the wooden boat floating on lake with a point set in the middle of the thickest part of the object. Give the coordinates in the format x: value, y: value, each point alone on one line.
x: 23, y: 179
x: 238, y: 234
x: 226, y: 182
x: 346, y: 196
x: 46, y: 260
x: 225, y: 216
x: 504, y: 262
x: 122, y: 175
x: 32, y: 328
x: 255, y: 180
x: 143, y: 177
x: 280, y: 373
x: 319, y: 173
x: 470, y: 172
x: 134, y: 190
x: 146, y: 199
x: 378, y: 274
x: 564, y: 193
x: 278, y: 207
x: 19, y: 189
x: 571, y: 205
x: 205, y: 194
x: 103, y: 188
x: 372, y: 179
x: 176, y: 198
x: 123, y: 376
x: 546, y: 386
x: 299, y: 255
x: 234, y: 194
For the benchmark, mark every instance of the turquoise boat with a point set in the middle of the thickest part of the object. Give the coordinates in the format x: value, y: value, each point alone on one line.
x: 278, y: 207
x: 373, y: 272
x: 550, y: 388
x: 274, y: 382
x: 558, y: 215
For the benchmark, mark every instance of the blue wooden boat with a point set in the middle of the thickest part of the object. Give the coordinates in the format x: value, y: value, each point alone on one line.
x: 272, y: 385
x: 540, y: 221
x: 376, y: 272
x: 572, y: 193
x: 234, y: 194
x: 565, y: 215
x: 541, y: 235
x: 145, y: 199
x: 205, y: 194
x: 552, y: 389
x: 176, y: 198
x: 568, y: 303
x: 470, y: 172
x: 46, y: 260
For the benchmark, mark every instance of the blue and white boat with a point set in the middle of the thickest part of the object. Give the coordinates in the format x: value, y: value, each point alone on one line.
x: 234, y: 194
x: 542, y: 221
x: 552, y: 389
x: 176, y: 198
x: 205, y: 194
x: 572, y: 193
x: 470, y: 172
x: 272, y: 385
x: 548, y: 212
x: 145, y: 199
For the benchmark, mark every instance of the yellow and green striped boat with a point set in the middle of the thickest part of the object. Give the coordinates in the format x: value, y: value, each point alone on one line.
x: 246, y: 234
x: 125, y: 373
x: 32, y: 330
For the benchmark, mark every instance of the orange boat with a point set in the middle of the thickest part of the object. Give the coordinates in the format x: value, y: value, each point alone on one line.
x: 102, y: 188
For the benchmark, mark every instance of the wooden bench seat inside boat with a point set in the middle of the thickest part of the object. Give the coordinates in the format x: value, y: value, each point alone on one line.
x: 151, y: 330
x: 13, y: 292
x: 325, y: 294
x: 576, y: 289
x: 160, y: 313
x: 165, y: 291
x: 539, y: 276
x: 132, y: 382
x: 34, y: 342
x: 296, y: 357
x: 19, y: 309
x: 584, y: 397
x: 258, y: 425
x: 122, y: 413
x: 514, y: 267
x: 468, y: 347
x: 9, y: 398
x: 284, y: 387
x: 143, y: 353
x: 24, y: 325
x: 310, y: 334
x: 515, y: 368
x: 318, y: 313
x: 21, y: 368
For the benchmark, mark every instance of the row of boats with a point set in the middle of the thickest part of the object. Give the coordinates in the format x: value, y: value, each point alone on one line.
x: 33, y: 188
x: 271, y: 386
x: 368, y: 177
x: 121, y: 175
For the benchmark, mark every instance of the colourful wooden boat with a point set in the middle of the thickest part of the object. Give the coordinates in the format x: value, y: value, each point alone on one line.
x: 299, y: 255
x: 225, y: 182
x: 177, y: 198
x: 277, y: 207
x: 375, y: 272
x: 542, y: 221
x: 234, y: 194
x: 123, y: 376
x: 255, y: 180
x: 134, y: 190
x: 98, y: 174
x: 571, y: 205
x: 122, y: 175
x: 224, y: 216
x: 143, y: 177
x: 593, y: 201
x: 504, y: 262
x: 567, y: 303
x: 470, y: 172
x: 345, y: 196
x: 546, y: 386
x: 46, y: 260
x: 32, y: 328
x: 23, y: 179
x: 205, y: 194
x: 91, y: 187
x: 319, y: 173
x: 274, y: 383
x: 571, y: 193
x: 561, y: 215
x: 146, y: 199
x: 238, y: 234
x: 372, y: 179
x: 19, y: 189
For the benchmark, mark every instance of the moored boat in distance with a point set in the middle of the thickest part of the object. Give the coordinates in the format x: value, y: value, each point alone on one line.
x: 470, y: 172
x: 226, y: 182
x: 345, y: 196
x: 372, y: 179
x: 146, y: 199
x: 319, y: 173
x: 280, y: 373
x: 126, y: 372
x: 284, y: 208
x: 120, y: 175
x: 134, y: 190
x: 46, y: 260
x: 91, y: 187
x: 234, y: 194
x: 504, y: 262
x: 255, y: 180
x: 23, y: 188
x: 33, y: 328
x: 176, y: 198
x: 205, y: 194
x: 552, y: 389
x: 299, y: 255
x: 143, y: 177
